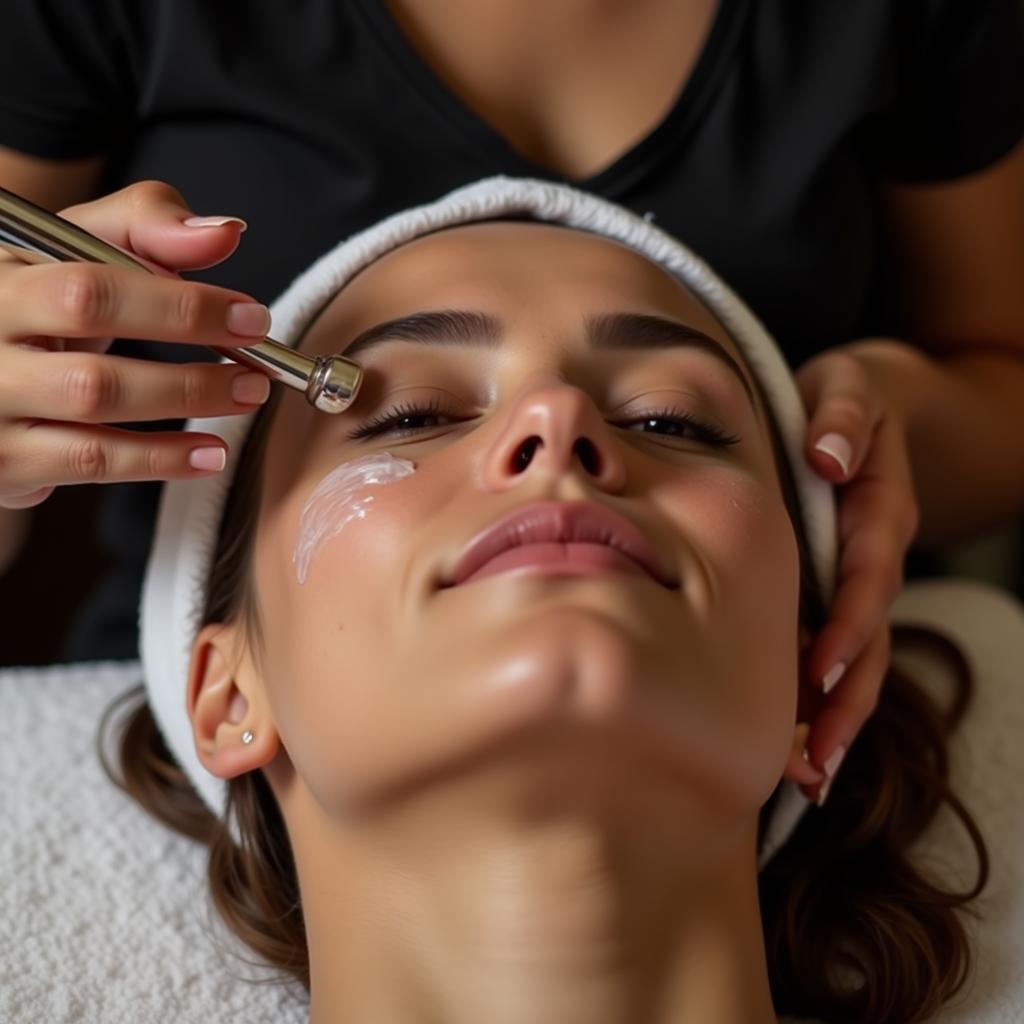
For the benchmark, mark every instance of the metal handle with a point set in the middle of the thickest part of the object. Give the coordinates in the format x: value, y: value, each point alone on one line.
x: 34, y: 235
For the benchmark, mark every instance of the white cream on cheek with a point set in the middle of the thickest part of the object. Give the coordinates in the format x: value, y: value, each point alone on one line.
x: 338, y: 499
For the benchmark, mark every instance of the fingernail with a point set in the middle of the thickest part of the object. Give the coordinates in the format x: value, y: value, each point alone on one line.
x: 831, y: 766
x: 823, y: 791
x: 207, y: 458
x: 800, y: 734
x: 248, y: 318
x: 832, y: 676
x: 213, y: 222
x: 250, y: 388
x: 839, y: 448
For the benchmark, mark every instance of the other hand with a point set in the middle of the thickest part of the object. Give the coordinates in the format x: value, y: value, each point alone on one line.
x: 856, y: 439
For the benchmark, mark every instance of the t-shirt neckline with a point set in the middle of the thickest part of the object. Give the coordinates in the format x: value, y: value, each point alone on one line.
x: 691, y: 100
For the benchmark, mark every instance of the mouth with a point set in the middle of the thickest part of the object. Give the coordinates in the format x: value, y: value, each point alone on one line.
x: 560, y: 538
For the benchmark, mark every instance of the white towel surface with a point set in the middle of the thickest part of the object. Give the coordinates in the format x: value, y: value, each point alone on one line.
x: 104, y: 916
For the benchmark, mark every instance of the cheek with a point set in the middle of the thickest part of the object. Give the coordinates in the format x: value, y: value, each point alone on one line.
x: 739, y: 529
x: 740, y: 533
x: 328, y: 639
x: 345, y: 494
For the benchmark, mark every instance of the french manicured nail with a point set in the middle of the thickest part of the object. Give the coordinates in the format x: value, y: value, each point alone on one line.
x: 823, y: 792
x: 835, y: 759
x: 831, y: 766
x: 832, y: 676
x: 207, y: 458
x: 839, y: 448
x: 248, y: 318
x: 800, y: 734
x: 250, y: 388
x: 213, y: 222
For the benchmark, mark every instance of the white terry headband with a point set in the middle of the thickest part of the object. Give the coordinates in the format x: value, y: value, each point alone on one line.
x: 190, y: 512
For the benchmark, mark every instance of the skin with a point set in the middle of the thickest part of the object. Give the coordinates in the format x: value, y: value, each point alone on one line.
x: 523, y: 798
x: 559, y: 82
x: 930, y: 416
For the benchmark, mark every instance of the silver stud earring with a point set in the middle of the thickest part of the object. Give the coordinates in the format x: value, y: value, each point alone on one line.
x: 247, y: 736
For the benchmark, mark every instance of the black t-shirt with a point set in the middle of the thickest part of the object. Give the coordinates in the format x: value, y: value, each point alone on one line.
x: 315, y: 118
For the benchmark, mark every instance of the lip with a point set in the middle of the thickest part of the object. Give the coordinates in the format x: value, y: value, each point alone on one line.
x: 578, y: 526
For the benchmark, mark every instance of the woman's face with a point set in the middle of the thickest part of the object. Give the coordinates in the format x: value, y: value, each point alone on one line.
x: 382, y: 684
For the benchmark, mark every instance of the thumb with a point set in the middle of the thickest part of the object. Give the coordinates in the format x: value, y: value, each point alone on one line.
x: 149, y: 221
x: 843, y: 413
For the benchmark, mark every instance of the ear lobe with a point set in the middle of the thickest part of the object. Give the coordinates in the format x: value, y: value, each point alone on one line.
x: 223, y: 703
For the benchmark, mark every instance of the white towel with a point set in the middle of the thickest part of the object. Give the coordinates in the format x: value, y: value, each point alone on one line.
x: 105, y: 916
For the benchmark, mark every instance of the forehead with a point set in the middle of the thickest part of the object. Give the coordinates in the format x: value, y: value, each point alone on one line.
x: 511, y: 268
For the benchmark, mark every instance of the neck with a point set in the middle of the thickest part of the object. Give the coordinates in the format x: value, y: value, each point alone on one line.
x: 561, y: 917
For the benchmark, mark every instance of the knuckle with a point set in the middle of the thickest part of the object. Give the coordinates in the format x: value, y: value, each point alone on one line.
x: 87, y: 459
x: 850, y: 410
x: 151, y: 190
x: 153, y: 461
x: 84, y: 297
x: 188, y: 310
x: 193, y: 391
x: 89, y: 389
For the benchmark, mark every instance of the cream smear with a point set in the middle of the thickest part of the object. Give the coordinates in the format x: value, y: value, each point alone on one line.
x: 337, y: 499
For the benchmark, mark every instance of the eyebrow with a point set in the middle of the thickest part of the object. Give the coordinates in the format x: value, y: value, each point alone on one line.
x: 605, y: 332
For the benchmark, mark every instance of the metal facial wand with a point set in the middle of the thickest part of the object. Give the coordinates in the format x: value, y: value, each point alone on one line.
x: 33, y: 235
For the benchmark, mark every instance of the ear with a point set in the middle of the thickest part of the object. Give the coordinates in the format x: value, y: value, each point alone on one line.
x: 226, y: 698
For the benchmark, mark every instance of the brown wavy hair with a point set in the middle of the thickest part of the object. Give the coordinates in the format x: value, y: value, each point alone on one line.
x: 854, y: 931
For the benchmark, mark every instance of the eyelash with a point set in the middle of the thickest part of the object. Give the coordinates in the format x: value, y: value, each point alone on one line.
x: 379, y: 424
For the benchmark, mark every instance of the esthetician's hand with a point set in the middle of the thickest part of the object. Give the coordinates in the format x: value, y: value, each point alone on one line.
x: 856, y: 439
x: 57, y: 320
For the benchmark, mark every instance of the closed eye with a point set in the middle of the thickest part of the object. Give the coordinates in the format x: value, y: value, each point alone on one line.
x: 680, y: 417
x: 387, y: 422
x: 680, y: 422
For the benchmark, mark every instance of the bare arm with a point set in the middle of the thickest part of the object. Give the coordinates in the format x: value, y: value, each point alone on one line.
x: 53, y: 184
x: 960, y: 381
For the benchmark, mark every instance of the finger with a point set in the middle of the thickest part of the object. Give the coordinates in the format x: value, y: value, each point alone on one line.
x: 83, y: 387
x: 870, y: 577
x: 147, y: 219
x: 847, y: 708
x: 39, y: 454
x: 799, y: 768
x: 91, y: 300
x: 844, y: 410
x: 30, y: 500
x: 878, y: 519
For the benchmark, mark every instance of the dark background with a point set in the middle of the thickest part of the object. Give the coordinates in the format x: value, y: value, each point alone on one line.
x: 55, y: 571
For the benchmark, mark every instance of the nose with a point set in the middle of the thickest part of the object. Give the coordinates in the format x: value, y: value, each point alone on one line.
x: 554, y: 430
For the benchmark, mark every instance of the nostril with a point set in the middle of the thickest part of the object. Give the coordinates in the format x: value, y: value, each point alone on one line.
x: 585, y: 449
x: 524, y: 454
x: 589, y: 456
